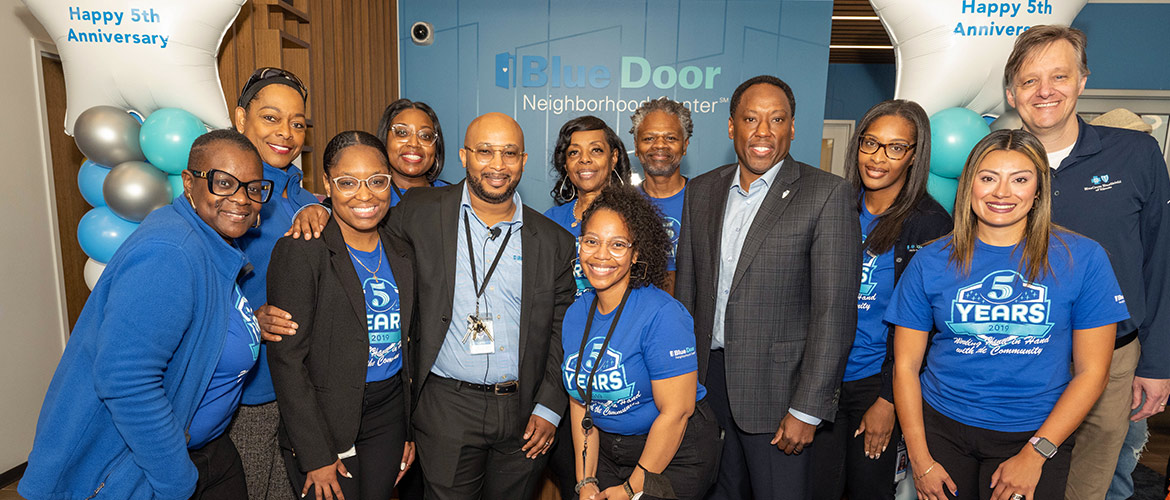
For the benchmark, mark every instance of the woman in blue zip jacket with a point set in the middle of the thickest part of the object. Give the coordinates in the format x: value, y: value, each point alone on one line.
x: 270, y: 112
x: 155, y: 365
x: 889, y: 165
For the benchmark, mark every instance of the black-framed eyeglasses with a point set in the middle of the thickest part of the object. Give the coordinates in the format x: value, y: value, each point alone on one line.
x: 250, y: 88
x: 894, y: 150
x: 221, y: 183
x: 401, y: 132
x: 484, y: 153
x: 348, y: 184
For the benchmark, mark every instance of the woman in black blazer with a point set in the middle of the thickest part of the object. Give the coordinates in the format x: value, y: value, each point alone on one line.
x: 340, y: 382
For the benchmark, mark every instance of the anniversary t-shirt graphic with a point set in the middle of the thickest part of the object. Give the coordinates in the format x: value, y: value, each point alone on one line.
x: 1001, y: 308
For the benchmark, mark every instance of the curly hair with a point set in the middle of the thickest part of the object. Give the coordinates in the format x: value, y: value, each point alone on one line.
x: 644, y: 222
x: 665, y: 105
x: 621, y: 170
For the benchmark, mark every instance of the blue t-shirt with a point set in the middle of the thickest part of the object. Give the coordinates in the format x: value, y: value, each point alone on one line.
x: 396, y: 192
x: 241, y: 348
x: 877, y: 284
x: 382, y: 312
x: 655, y: 340
x: 1000, y: 359
x: 672, y: 209
x: 563, y: 216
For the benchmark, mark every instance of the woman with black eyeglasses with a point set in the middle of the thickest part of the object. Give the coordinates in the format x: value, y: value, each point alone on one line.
x: 270, y: 112
x: 340, y: 382
x: 155, y: 365
x: 856, y: 454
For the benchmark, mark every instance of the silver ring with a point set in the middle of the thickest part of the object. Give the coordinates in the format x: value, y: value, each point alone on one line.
x: 1017, y: 496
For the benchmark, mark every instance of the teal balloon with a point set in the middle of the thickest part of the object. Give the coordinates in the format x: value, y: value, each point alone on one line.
x: 100, y: 232
x: 90, y: 178
x: 953, y: 133
x: 176, y: 182
x: 943, y: 190
x: 166, y: 138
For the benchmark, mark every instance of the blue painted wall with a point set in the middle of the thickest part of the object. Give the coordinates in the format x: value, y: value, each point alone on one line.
x: 458, y: 75
x: 1129, y: 48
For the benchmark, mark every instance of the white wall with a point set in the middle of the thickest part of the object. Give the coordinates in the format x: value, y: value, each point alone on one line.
x: 32, y: 313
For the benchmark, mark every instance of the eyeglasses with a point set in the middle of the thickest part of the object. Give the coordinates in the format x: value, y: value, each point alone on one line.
x: 250, y: 88
x: 402, y: 132
x: 348, y: 184
x: 221, y: 183
x: 484, y: 153
x: 894, y: 151
x: 618, y: 247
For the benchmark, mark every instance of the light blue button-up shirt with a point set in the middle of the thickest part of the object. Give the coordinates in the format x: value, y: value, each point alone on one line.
x: 501, y: 299
x: 742, y: 207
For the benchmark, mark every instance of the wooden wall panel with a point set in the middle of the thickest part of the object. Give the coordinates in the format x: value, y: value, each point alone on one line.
x: 344, y: 50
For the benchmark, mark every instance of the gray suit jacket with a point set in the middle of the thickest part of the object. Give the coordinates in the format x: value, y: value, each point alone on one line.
x: 792, y: 308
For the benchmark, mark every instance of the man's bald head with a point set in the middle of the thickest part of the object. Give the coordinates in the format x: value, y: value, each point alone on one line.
x: 496, y: 129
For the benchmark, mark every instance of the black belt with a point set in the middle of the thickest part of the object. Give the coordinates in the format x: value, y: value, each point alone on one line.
x: 1125, y: 340
x: 499, y: 389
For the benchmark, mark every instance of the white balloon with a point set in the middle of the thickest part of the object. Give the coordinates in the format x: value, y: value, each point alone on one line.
x: 140, y: 55
x: 940, y: 68
x: 1010, y: 120
x: 93, y: 271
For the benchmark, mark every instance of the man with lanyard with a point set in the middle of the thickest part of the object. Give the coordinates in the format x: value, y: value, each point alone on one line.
x: 662, y: 131
x: 1110, y: 185
x: 486, y: 353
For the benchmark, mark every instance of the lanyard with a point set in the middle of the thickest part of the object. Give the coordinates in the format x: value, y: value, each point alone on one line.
x: 587, y: 397
x: 479, y: 288
x: 587, y: 421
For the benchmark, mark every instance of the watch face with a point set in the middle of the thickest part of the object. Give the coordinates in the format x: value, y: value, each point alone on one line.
x: 1045, y: 447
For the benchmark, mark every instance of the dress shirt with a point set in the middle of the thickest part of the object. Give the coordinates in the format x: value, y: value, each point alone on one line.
x: 501, y: 299
x: 742, y: 207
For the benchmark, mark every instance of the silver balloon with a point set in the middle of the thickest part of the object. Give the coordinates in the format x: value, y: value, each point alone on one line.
x: 108, y: 136
x: 133, y: 189
x: 1010, y: 119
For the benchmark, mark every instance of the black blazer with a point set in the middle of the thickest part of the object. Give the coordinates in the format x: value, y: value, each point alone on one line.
x: 428, y: 221
x: 792, y: 307
x: 319, y: 374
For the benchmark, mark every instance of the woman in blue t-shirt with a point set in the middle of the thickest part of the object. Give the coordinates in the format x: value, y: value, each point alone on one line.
x: 339, y: 381
x: 639, y: 424
x: 888, y: 167
x: 1015, y: 299
x: 414, y: 144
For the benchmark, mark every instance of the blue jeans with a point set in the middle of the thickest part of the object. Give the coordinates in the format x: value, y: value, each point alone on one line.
x: 1131, y: 451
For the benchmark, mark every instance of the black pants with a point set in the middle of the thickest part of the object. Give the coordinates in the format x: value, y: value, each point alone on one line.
x: 971, y: 455
x: 469, y: 443
x: 751, y: 466
x: 221, y: 473
x: 692, y: 470
x: 838, y: 458
x: 562, y: 460
x: 379, y: 444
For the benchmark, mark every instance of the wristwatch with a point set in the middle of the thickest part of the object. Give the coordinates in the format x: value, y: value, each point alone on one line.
x: 1043, y: 446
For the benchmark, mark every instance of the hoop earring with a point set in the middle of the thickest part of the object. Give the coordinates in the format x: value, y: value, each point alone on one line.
x: 189, y: 200
x: 618, y: 177
x: 257, y: 223
x: 572, y: 190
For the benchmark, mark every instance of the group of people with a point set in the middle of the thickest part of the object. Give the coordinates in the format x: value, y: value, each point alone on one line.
x: 764, y: 330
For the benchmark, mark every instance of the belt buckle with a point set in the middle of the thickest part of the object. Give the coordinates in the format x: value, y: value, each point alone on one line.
x: 504, y: 388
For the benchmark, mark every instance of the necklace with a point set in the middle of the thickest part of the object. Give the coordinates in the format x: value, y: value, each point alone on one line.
x: 374, y: 273
x: 575, y: 219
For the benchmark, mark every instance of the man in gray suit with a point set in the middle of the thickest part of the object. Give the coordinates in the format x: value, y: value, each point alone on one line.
x: 769, y: 265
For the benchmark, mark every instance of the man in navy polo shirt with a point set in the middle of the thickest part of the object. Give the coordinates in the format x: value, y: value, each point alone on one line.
x: 1111, y: 185
x: 662, y: 130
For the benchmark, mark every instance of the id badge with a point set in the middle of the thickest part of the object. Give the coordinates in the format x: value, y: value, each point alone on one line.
x: 903, y: 462
x: 481, y: 334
